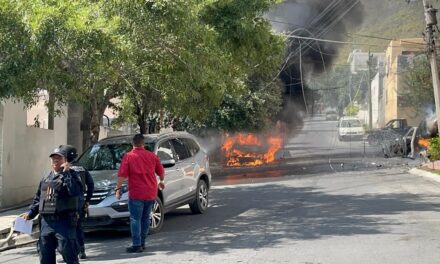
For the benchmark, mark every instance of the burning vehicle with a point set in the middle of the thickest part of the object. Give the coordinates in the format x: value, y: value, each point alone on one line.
x: 414, y: 142
x: 248, y: 149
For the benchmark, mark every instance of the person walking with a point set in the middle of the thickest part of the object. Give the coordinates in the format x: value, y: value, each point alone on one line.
x: 139, y: 167
x: 88, y: 188
x: 56, y: 200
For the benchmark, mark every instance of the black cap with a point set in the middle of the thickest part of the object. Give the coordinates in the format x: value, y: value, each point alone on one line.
x: 59, y: 152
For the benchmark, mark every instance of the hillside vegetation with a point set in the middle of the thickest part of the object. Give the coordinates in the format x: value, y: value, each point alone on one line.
x: 391, y: 19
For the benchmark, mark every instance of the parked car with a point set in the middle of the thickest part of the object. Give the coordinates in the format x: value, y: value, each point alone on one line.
x: 187, y: 178
x: 350, y: 128
x: 331, y: 115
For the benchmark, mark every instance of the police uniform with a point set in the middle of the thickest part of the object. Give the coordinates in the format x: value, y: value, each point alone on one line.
x: 56, y: 201
x: 88, y: 187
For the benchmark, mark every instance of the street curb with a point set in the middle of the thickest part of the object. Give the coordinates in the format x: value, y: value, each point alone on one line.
x: 19, y: 239
x: 425, y: 174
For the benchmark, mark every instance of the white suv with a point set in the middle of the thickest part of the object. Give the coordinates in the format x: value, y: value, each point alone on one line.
x: 187, y: 178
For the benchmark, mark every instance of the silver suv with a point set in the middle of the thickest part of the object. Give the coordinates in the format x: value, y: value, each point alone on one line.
x: 187, y: 178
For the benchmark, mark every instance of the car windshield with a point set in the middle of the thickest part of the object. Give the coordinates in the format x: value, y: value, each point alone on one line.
x: 351, y: 123
x: 106, y: 157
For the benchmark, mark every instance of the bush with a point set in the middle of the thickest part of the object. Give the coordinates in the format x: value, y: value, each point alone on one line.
x: 352, y: 110
x: 434, y: 148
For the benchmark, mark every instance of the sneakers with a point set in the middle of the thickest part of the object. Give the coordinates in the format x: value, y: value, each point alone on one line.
x: 132, y: 249
x: 143, y: 246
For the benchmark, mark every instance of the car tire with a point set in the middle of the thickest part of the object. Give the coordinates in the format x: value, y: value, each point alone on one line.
x: 200, y: 202
x: 156, y: 217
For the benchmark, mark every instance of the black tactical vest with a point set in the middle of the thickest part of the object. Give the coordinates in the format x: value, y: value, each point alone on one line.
x: 82, y: 175
x: 50, y: 200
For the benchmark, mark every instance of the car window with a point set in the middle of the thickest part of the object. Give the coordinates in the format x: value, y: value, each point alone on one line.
x: 165, y: 151
x: 180, y: 148
x: 104, y: 157
x: 149, y: 146
x: 191, y: 145
x: 351, y: 123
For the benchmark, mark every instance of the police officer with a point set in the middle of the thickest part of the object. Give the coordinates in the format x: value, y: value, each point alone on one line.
x: 56, y: 201
x: 88, y: 187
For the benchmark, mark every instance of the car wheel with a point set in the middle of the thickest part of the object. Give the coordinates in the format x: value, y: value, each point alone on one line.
x: 156, y: 217
x: 200, y: 203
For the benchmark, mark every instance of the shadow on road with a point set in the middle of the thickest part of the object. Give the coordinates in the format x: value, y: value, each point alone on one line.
x: 255, y: 217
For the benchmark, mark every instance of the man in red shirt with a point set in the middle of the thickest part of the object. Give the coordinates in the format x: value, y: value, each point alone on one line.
x: 140, y: 167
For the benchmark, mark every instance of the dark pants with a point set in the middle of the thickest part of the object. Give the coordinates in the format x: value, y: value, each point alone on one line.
x: 80, y: 231
x: 139, y: 219
x: 57, y: 233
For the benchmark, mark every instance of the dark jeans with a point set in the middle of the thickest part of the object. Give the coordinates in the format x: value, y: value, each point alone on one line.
x: 57, y: 233
x: 139, y: 219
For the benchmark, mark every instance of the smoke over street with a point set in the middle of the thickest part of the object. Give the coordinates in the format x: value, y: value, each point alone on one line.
x: 322, y: 19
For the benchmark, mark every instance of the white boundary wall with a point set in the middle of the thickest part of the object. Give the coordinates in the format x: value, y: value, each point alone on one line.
x: 24, y: 153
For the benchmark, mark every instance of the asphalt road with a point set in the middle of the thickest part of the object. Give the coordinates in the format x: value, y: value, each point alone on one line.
x: 313, y: 149
x: 368, y: 211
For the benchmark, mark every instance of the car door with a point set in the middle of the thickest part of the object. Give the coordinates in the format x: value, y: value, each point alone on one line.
x: 173, y: 175
x: 186, y: 164
x: 197, y: 161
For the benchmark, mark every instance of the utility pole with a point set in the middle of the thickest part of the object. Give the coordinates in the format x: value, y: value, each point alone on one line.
x: 370, y: 103
x: 431, y: 21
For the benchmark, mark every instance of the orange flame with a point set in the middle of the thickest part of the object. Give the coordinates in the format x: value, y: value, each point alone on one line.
x: 250, y: 149
x: 424, y: 142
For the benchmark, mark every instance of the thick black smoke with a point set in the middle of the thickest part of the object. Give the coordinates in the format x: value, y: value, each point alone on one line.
x: 322, y: 19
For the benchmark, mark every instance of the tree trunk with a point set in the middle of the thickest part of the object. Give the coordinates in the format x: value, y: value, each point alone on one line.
x: 85, y: 127
x: 51, y: 113
x: 97, y: 112
x: 142, y: 122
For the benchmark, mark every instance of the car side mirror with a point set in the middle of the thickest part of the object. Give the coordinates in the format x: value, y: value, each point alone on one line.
x: 168, y: 163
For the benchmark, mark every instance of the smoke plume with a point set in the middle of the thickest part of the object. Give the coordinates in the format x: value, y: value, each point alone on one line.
x: 321, y: 19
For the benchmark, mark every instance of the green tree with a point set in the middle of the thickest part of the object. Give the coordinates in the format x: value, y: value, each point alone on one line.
x: 352, y: 109
x: 71, y: 52
x: 418, y: 91
x: 174, y: 62
x: 254, y: 110
x: 16, y: 54
x: 257, y: 51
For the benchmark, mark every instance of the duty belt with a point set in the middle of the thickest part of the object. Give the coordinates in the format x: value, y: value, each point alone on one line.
x: 55, y: 217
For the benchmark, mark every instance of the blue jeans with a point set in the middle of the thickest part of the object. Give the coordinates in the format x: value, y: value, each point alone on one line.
x: 139, y: 219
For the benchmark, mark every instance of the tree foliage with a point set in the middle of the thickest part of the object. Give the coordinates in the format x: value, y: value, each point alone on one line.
x: 418, y: 90
x: 340, y: 88
x: 187, y: 60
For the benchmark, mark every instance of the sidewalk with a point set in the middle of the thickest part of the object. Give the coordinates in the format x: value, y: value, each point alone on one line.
x: 426, y: 174
x: 8, y: 240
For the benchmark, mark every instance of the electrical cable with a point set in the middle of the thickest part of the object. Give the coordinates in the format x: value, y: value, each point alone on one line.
x: 302, y: 82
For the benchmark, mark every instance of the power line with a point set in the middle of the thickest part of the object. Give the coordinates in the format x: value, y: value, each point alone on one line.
x: 344, y: 42
x: 349, y: 34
